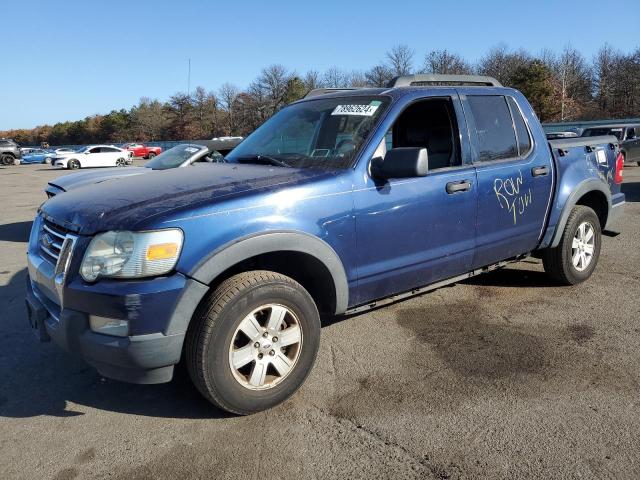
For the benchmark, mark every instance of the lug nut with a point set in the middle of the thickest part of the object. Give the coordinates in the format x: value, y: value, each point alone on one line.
x: 275, y: 339
x: 272, y: 353
x: 257, y: 344
x: 260, y: 356
x: 265, y: 334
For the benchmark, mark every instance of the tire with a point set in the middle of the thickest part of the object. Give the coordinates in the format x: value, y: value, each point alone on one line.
x: 7, y: 159
x: 151, y: 155
x: 73, y: 164
x: 217, y: 330
x: 559, y: 262
x: 121, y: 162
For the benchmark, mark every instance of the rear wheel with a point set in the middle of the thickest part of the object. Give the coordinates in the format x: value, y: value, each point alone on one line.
x: 576, y: 256
x: 253, y: 341
x: 73, y: 164
x: 151, y: 155
x: 6, y: 159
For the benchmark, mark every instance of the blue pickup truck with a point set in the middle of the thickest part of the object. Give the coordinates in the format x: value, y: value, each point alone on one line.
x: 341, y: 202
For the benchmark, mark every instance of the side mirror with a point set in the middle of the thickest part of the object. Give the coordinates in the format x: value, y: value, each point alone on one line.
x: 401, y: 162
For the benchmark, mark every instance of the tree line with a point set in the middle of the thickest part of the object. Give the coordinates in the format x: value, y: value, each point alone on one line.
x: 562, y: 86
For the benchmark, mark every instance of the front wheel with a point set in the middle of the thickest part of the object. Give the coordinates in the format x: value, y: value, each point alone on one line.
x: 73, y: 164
x: 6, y: 159
x: 151, y: 155
x: 576, y: 256
x: 253, y: 341
x: 121, y: 162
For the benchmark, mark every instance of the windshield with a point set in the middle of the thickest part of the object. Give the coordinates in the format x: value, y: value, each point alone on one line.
x: 174, y: 157
x: 323, y: 133
x: 597, y: 132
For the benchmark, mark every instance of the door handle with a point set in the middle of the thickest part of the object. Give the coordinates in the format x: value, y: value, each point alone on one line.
x: 460, y: 186
x: 539, y: 171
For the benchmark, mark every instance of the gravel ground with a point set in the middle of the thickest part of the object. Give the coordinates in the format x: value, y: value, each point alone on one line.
x: 503, y: 376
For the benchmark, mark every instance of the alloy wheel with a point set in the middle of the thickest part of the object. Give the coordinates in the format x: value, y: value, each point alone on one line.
x: 265, y: 347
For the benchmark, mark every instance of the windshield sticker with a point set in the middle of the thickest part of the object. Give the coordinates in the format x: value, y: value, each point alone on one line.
x: 360, y: 110
x: 191, y: 149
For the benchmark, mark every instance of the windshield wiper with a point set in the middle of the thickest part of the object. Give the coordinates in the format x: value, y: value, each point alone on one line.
x: 263, y: 159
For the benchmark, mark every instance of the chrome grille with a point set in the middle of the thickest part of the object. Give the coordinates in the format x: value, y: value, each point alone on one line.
x: 51, y: 239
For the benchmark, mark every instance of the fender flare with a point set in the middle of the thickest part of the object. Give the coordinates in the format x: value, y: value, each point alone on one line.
x: 582, y: 189
x: 275, y: 241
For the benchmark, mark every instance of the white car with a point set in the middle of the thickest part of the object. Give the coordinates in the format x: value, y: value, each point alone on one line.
x: 93, y: 156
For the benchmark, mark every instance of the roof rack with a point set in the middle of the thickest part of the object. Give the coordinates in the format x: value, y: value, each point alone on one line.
x: 423, y: 80
x: 322, y: 91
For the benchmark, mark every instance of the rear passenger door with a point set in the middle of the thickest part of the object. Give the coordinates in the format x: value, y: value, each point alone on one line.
x: 514, y: 175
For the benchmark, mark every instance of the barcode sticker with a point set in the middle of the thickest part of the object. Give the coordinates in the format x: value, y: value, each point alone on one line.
x: 601, y: 156
x: 361, y: 110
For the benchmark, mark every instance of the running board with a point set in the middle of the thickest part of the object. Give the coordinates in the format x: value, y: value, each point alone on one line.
x: 431, y: 287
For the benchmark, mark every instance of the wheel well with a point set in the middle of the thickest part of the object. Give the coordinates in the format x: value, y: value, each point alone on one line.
x: 305, y: 269
x: 597, y: 201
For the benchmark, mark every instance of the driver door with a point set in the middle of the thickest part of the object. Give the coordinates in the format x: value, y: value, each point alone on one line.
x: 92, y: 158
x: 415, y: 231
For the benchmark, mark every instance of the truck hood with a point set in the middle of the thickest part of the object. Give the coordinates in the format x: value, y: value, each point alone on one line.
x: 80, y: 179
x: 125, y: 203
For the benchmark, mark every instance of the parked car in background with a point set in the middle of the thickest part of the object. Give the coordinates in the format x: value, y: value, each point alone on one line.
x: 93, y: 156
x: 9, y: 151
x: 558, y: 135
x: 142, y: 151
x: 182, y: 155
x: 38, y: 155
x: 627, y: 133
x: 339, y: 203
x: 64, y: 150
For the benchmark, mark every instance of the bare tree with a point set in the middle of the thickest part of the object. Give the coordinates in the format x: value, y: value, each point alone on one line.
x: 400, y: 60
x: 445, y: 62
x: 379, y: 76
x: 335, y: 77
x: 312, y: 80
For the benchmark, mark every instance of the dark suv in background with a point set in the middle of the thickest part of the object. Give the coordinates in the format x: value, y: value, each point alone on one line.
x: 9, y: 151
x: 627, y: 133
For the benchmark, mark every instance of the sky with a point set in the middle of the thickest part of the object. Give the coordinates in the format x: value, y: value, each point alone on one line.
x: 69, y: 59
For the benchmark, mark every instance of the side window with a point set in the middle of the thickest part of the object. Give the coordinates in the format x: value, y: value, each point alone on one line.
x: 522, y: 132
x: 632, y: 133
x: 429, y: 124
x: 95, y: 150
x: 494, y: 127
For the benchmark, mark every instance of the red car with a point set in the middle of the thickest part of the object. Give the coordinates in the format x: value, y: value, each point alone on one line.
x: 140, y: 150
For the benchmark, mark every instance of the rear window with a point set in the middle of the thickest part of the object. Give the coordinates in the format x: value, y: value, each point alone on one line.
x: 597, y: 132
x: 522, y: 132
x: 494, y: 127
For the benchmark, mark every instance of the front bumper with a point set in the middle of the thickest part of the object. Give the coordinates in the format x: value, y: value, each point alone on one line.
x: 146, y: 358
x: 158, y: 310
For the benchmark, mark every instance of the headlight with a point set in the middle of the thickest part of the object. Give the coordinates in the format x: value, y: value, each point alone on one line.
x: 131, y: 254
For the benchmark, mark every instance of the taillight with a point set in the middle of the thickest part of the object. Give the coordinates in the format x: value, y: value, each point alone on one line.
x: 619, y: 166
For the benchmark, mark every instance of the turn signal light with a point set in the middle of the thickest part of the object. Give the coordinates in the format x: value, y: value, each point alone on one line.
x: 162, y: 251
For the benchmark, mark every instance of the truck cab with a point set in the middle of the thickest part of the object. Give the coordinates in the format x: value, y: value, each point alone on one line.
x: 341, y: 202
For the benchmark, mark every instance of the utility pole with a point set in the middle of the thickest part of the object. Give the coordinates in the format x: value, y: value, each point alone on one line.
x: 564, y: 90
x: 189, y: 80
